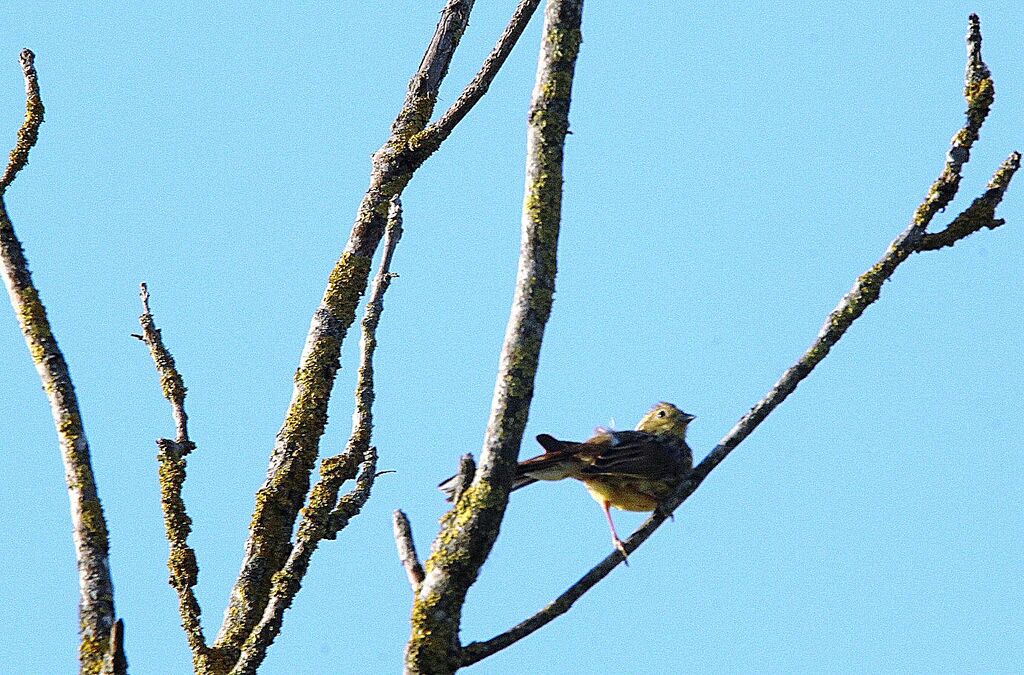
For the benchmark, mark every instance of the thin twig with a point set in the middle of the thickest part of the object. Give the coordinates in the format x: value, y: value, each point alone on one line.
x: 979, y: 90
x: 89, y: 527
x: 297, y: 445
x: 435, y: 133
x: 407, y: 550
x: 28, y: 134
x: 467, y: 470
x: 171, y: 383
x: 469, y: 530
x: 864, y: 292
x: 325, y: 514
x: 181, y: 562
x: 116, y: 663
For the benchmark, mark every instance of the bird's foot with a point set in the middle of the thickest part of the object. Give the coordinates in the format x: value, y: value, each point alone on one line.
x: 621, y: 548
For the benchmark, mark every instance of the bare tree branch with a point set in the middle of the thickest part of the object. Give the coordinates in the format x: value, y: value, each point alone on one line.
x: 315, y: 527
x: 467, y: 470
x: 469, y: 530
x: 181, y: 563
x: 325, y: 514
x: 407, y: 550
x: 981, y: 213
x: 979, y: 90
x: 28, y: 134
x: 115, y: 662
x: 474, y: 91
x: 279, y: 499
x: 171, y: 383
x: 89, y: 527
x: 864, y: 292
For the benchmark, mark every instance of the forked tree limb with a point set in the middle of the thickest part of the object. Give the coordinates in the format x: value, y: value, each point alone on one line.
x: 89, y: 527
x: 297, y: 445
x: 326, y: 514
x: 436, y: 132
x: 979, y: 92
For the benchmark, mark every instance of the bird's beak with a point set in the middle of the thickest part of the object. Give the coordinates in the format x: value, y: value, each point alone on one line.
x: 688, y: 417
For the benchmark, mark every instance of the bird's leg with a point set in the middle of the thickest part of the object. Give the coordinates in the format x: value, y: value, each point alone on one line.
x: 615, y: 535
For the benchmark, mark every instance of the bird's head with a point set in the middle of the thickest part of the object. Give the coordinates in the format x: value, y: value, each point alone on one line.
x: 666, y: 419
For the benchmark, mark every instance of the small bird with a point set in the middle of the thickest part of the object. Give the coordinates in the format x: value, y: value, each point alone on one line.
x: 630, y: 470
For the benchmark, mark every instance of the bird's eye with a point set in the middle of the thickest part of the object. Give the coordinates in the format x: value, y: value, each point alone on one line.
x: 661, y: 413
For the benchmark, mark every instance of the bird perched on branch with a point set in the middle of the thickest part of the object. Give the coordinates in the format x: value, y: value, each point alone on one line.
x: 630, y: 470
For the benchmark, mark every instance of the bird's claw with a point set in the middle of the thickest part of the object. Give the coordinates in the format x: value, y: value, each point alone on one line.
x: 621, y: 548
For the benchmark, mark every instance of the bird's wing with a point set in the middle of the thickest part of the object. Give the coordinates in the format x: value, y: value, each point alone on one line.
x: 639, y: 454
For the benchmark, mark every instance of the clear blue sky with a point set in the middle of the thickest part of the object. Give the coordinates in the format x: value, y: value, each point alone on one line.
x: 732, y: 169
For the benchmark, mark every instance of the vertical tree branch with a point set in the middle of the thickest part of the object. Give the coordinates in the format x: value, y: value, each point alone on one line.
x: 325, y: 514
x: 980, y: 92
x: 469, y: 530
x: 464, y: 478
x: 89, y: 527
x: 171, y: 454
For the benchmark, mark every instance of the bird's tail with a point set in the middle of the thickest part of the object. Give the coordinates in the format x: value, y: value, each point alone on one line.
x: 448, y: 486
x: 551, y: 446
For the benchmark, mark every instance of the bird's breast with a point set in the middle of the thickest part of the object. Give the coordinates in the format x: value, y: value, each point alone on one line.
x: 628, y: 494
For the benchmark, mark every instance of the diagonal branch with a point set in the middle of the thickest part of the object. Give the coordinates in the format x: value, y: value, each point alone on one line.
x: 89, y: 527
x: 865, y: 291
x: 181, y: 563
x: 325, y: 514
x: 171, y: 382
x: 295, y: 451
x: 469, y: 530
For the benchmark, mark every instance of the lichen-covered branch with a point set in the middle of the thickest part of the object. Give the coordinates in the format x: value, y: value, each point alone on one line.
x: 981, y: 213
x: 89, y: 527
x: 407, y: 549
x: 315, y: 527
x: 297, y: 445
x: 864, y: 292
x: 171, y: 454
x: 28, y: 134
x: 435, y: 133
x: 980, y: 92
x: 171, y: 382
x: 325, y: 514
x: 469, y: 530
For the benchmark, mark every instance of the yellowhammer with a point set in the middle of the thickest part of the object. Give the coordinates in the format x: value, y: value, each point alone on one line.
x: 630, y: 470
